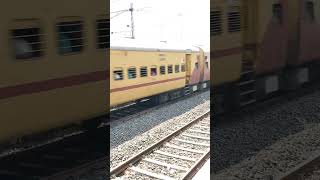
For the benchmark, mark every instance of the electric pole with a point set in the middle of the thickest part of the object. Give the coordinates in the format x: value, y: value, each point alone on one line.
x: 132, y: 22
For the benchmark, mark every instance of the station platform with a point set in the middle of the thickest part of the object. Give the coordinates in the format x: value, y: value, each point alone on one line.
x: 204, y: 172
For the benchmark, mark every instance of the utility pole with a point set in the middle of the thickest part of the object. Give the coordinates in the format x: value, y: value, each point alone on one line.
x: 131, y: 9
x: 132, y: 22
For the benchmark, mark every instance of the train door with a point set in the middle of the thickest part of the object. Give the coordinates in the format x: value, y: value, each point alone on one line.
x: 201, y: 62
x: 188, y: 68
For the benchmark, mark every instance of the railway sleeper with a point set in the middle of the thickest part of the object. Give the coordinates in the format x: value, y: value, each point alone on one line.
x: 150, y: 174
x: 171, y: 166
x: 183, y: 149
x: 175, y: 156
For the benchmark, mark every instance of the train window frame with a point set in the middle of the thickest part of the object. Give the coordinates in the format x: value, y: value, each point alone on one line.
x: 234, y: 20
x: 121, y: 75
x: 132, y: 71
x: 162, y: 70
x: 100, y: 42
x: 183, y: 68
x: 177, y: 68
x: 170, y: 69
x: 277, y: 13
x: 310, y: 12
x: 27, y: 35
x: 144, y: 71
x: 67, y: 23
x: 153, y: 71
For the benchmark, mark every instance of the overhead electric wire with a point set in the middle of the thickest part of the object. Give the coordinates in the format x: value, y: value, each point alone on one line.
x: 124, y: 10
x: 117, y: 14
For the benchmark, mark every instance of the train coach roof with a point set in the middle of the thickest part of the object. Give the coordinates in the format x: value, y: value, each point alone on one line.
x: 134, y: 45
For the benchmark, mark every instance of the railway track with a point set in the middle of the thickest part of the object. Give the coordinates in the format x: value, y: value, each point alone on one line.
x: 176, y: 156
x: 303, y: 170
x: 68, y: 158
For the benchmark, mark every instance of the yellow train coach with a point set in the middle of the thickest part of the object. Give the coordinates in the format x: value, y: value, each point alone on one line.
x: 160, y: 71
x: 53, y: 67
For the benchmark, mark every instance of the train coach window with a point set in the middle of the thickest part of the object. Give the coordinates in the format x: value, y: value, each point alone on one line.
x: 310, y: 11
x: 234, y: 24
x: 277, y: 13
x: 169, y: 69
x: 27, y: 43
x: 183, y: 68
x: 132, y: 73
x: 103, y: 30
x: 176, y: 68
x: 153, y: 71
x: 196, y: 65
x: 70, y: 37
x: 118, y: 75
x: 143, y: 72
x: 162, y: 70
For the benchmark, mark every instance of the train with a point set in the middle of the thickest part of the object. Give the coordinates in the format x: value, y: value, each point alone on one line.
x: 260, y: 48
x: 53, y: 66
x: 156, y: 71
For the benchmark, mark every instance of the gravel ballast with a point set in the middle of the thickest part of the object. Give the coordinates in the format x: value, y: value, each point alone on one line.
x: 133, y: 136
x: 244, y: 136
x: 277, y: 158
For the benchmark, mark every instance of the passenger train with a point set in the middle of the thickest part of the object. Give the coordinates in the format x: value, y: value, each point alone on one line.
x: 261, y: 47
x: 158, y: 71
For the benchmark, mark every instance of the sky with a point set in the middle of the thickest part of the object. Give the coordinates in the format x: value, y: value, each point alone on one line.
x: 174, y: 21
